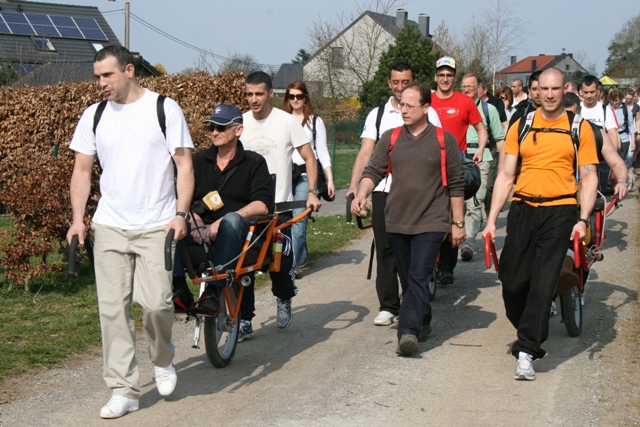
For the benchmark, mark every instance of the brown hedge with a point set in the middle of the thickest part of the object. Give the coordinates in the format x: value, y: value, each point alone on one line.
x: 36, y: 122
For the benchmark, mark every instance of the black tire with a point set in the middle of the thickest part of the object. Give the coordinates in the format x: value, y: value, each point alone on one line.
x: 221, y: 332
x: 433, y: 288
x: 571, y: 305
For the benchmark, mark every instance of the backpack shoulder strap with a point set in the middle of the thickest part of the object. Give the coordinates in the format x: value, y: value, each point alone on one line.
x: 313, y: 131
x: 524, y: 126
x: 575, y: 120
x: 394, y: 137
x: 162, y: 119
x: 485, y: 110
x: 379, y: 120
x: 443, y: 156
x: 98, y: 115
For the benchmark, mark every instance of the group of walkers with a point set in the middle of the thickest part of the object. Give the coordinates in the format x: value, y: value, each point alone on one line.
x: 410, y: 162
x: 528, y: 150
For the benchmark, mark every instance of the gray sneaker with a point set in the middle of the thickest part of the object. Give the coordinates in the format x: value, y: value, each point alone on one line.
x: 245, y: 331
x: 524, y: 367
x: 284, y: 316
x: 407, y: 345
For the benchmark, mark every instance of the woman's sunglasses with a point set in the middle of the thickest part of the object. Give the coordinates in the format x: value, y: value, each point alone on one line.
x: 299, y: 96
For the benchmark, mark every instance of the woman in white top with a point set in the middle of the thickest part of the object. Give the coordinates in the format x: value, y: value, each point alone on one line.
x: 298, y: 103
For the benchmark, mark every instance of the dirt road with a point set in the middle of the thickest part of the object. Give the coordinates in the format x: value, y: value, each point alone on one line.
x: 333, y: 367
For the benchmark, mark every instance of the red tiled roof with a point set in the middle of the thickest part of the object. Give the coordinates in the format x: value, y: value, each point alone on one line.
x: 525, y: 66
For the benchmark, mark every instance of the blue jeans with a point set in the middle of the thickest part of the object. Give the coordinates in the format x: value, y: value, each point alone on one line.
x: 299, y: 229
x: 231, y: 235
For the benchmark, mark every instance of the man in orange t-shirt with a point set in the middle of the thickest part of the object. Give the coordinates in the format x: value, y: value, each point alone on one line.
x: 542, y: 216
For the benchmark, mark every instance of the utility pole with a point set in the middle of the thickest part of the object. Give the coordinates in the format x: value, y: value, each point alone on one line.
x: 126, y: 25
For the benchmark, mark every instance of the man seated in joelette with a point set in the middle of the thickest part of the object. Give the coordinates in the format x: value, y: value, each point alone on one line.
x: 232, y: 185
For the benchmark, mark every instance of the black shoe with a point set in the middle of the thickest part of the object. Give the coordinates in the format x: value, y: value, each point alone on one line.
x: 182, y: 299
x: 444, y: 278
x: 208, y: 304
x: 424, y: 332
x: 407, y: 345
x: 466, y: 254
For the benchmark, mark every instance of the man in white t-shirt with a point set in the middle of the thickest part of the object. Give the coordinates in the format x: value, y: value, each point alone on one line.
x: 275, y: 134
x: 137, y: 209
x: 602, y: 116
x: 375, y: 125
x: 595, y: 112
x: 519, y: 94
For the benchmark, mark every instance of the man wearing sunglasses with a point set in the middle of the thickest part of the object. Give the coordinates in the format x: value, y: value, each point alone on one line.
x: 232, y: 185
x: 276, y: 134
x: 457, y: 112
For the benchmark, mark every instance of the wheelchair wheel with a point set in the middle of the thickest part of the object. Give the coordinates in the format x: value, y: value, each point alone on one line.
x: 432, y: 284
x: 221, y: 332
x: 571, y: 305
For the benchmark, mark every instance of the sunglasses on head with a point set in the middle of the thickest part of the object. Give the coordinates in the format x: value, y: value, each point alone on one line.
x: 299, y: 96
x: 220, y: 128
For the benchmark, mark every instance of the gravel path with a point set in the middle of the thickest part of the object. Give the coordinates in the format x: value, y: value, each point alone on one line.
x: 333, y: 367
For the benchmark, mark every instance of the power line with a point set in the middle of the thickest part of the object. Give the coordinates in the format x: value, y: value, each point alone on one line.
x: 184, y: 43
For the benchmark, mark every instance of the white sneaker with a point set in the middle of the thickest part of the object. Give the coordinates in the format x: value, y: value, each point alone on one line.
x: 524, y: 367
x: 166, y: 379
x: 119, y: 406
x: 385, y: 318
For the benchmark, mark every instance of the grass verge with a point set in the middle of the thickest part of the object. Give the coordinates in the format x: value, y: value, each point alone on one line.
x: 59, y: 316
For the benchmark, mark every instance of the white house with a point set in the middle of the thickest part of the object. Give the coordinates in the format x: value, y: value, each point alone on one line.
x: 341, y: 66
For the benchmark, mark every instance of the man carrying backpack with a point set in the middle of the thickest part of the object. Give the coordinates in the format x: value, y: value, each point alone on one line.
x: 542, y: 218
x: 423, y: 159
x: 379, y: 120
x: 491, y: 120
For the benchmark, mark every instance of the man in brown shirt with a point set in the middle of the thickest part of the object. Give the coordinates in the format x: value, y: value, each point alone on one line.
x: 419, y: 207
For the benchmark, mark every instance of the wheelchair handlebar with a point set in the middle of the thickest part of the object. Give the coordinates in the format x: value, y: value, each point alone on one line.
x: 576, y: 250
x: 71, y: 255
x: 612, y: 204
x: 349, y: 215
x: 168, y: 261
x: 490, y: 252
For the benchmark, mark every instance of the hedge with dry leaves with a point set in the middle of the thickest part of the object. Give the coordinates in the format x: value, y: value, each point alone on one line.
x: 37, y: 122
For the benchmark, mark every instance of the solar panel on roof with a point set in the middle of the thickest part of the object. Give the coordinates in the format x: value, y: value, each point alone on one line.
x: 4, y: 29
x: 70, y: 33
x: 14, y: 17
x: 38, y: 19
x: 93, y: 34
x: 46, y: 30
x: 21, y: 29
x: 62, y: 21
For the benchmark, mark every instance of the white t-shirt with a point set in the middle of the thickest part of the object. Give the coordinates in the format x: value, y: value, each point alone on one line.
x: 391, y: 118
x: 320, y: 150
x: 596, y: 116
x: 136, y: 186
x: 275, y: 138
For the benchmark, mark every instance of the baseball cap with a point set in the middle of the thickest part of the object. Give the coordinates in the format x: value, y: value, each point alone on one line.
x: 225, y: 114
x: 446, y: 61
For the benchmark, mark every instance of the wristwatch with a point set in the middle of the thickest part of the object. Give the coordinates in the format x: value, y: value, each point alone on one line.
x: 585, y: 221
x: 184, y: 215
x: 315, y: 191
x: 459, y: 224
x: 623, y: 182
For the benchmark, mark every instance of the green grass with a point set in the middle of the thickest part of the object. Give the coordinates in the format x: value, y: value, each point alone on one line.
x: 342, y: 168
x: 58, y: 317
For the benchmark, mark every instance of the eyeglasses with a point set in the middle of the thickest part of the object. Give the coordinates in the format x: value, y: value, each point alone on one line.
x: 220, y: 128
x: 299, y: 96
x: 445, y: 76
x: 469, y: 87
x: 402, y: 106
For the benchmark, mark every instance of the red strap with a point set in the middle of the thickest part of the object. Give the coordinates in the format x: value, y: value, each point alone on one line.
x: 443, y: 156
x: 392, y: 142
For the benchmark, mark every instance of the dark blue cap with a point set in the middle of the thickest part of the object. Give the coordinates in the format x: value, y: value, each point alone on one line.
x: 225, y: 114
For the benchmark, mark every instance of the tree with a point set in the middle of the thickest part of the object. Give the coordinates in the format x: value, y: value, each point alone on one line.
x: 408, y: 47
x: 346, y: 65
x: 243, y: 62
x: 8, y: 73
x: 160, y: 68
x: 624, y: 51
x: 301, y: 57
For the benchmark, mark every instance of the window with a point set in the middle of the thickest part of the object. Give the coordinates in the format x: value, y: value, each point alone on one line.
x: 43, y: 44
x: 97, y: 46
x: 337, y: 57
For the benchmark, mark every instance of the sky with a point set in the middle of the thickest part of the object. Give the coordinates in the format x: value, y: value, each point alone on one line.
x: 273, y: 31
